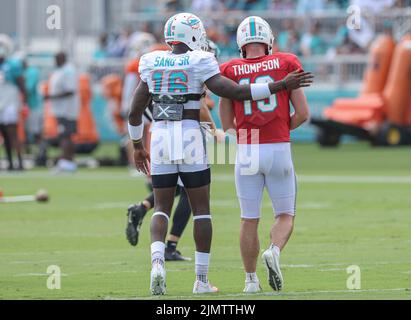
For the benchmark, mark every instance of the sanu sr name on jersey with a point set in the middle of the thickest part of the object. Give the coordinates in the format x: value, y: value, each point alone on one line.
x: 168, y: 73
x: 171, y: 62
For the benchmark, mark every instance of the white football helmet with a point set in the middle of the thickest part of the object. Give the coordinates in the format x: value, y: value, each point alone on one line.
x: 186, y: 28
x: 254, y: 30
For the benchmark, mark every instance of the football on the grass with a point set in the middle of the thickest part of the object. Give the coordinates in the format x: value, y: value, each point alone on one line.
x: 42, y: 196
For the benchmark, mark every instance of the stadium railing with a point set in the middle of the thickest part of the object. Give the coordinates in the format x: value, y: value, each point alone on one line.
x: 337, y: 70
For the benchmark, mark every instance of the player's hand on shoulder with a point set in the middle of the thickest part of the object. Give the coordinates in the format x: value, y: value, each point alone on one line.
x: 298, y: 79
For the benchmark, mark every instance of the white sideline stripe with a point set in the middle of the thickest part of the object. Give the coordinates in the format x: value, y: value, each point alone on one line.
x: 320, y: 265
x: 185, y: 264
x: 346, y: 264
x: 267, y: 204
x: 335, y: 179
x: 33, y: 274
x: 217, y: 203
x: 122, y: 176
x: 273, y: 294
x: 36, y: 275
x: 331, y: 269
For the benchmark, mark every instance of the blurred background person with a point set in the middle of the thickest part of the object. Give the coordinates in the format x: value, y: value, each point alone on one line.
x: 101, y: 52
x: 206, y: 5
x: 312, y: 42
x: 306, y: 6
x: 117, y: 46
x: 140, y: 42
x: 34, y: 123
x: 63, y: 95
x: 11, y: 94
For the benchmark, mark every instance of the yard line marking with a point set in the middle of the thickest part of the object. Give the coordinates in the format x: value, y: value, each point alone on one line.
x: 31, y: 262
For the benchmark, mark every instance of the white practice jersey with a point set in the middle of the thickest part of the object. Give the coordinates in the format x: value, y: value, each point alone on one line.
x: 172, y: 74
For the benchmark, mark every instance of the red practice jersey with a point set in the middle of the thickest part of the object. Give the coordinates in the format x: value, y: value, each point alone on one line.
x: 271, y: 116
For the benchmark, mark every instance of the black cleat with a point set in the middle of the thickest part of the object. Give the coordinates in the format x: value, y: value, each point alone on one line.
x: 135, y: 214
x: 174, y: 255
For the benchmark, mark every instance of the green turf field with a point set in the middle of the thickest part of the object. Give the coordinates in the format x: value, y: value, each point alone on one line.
x: 354, y: 208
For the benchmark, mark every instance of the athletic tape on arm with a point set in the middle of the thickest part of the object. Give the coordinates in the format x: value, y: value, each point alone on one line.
x: 136, y: 132
x: 260, y: 91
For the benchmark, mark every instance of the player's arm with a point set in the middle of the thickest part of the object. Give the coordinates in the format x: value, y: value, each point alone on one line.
x: 227, y: 88
x: 136, y: 127
x: 226, y: 114
x: 302, y: 111
x: 140, y: 100
x: 205, y: 115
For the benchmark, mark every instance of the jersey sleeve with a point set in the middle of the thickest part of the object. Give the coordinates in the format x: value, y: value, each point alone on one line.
x: 223, y: 69
x: 143, y: 68
x: 294, y: 63
x: 207, y: 67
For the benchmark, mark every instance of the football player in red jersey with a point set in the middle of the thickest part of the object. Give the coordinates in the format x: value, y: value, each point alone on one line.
x: 263, y: 154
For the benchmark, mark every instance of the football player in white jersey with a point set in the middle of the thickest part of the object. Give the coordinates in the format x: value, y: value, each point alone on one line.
x: 175, y: 82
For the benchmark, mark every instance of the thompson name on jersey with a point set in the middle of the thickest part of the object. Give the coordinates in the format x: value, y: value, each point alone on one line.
x: 270, y: 116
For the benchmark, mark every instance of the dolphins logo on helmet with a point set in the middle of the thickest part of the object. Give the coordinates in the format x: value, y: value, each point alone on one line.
x: 192, y: 21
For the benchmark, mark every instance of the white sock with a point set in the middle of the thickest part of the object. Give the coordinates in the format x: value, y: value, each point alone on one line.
x: 157, y: 252
x: 275, y: 249
x: 202, y: 261
x: 251, y: 276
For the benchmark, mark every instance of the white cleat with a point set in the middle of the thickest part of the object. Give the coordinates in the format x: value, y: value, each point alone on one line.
x: 202, y: 287
x: 158, y: 280
x: 272, y: 263
x: 252, y: 287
